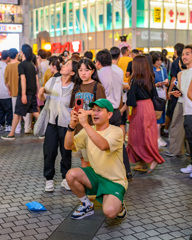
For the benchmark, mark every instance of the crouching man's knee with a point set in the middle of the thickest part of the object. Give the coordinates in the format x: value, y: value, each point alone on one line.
x: 110, y: 212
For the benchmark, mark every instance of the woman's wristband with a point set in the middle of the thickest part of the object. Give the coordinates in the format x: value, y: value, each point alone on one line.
x: 70, y: 129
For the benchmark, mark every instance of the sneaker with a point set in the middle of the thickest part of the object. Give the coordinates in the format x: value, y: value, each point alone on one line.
x: 49, y: 187
x: 161, y: 143
x: 30, y: 131
x: 65, y: 185
x: 1, y: 127
x: 41, y: 137
x: 83, y: 211
x: 169, y: 154
x: 123, y: 213
x: 8, y: 128
x: 188, y: 169
x: 9, y: 138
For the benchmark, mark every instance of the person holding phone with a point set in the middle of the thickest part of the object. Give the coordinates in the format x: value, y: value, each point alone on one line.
x: 88, y: 88
x: 60, y: 96
x: 161, y: 82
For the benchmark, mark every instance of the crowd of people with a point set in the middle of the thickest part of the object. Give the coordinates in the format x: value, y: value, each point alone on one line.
x: 89, y: 102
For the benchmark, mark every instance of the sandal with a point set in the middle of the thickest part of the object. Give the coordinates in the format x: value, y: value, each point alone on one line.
x: 140, y: 168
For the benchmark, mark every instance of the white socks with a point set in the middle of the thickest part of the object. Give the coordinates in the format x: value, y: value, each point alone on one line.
x: 86, y: 200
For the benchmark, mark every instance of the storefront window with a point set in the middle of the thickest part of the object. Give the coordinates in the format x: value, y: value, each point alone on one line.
x: 100, y: 16
x: 169, y: 14
x: 128, y: 13
x: 58, y: 22
x: 92, y: 17
x: 84, y: 16
x: 64, y: 19
x: 109, y: 15
x: 52, y: 23
x: 37, y: 20
x: 41, y: 19
x: 182, y: 14
x: 190, y: 15
x: 156, y: 14
x: 142, y: 14
x: 77, y: 17
x: 70, y: 31
x: 117, y: 8
x: 46, y: 25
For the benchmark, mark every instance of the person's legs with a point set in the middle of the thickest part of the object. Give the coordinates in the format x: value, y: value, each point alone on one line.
x: 27, y: 120
x: 65, y: 154
x: 2, y: 113
x: 7, y: 106
x: 78, y: 180
x: 18, y: 128
x: 15, y: 121
x: 50, y: 151
x: 112, y: 206
x: 35, y: 114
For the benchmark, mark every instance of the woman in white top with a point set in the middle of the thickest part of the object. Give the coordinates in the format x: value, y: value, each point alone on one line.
x: 60, y: 96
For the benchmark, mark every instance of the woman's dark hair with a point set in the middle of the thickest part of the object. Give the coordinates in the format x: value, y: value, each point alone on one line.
x: 104, y: 57
x: 74, y: 69
x: 75, y: 57
x: 27, y: 51
x: 179, y: 48
x: 89, y: 65
x: 149, y: 58
x: 156, y: 56
x: 52, y: 58
x: 164, y: 55
x: 56, y: 62
x: 142, y: 74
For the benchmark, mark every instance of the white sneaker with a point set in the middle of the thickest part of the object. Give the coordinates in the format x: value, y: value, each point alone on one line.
x: 49, y: 187
x: 161, y: 143
x: 29, y: 131
x: 8, y: 128
x: 188, y: 169
x: 65, y: 185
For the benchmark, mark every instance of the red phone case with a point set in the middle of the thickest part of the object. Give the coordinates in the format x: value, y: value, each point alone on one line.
x: 78, y: 104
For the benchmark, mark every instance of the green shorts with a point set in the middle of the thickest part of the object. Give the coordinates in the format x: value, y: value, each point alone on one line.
x: 102, y: 186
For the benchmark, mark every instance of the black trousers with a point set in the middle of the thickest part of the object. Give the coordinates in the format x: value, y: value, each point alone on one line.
x: 116, y: 121
x: 6, y: 111
x: 54, y: 137
x: 188, y: 131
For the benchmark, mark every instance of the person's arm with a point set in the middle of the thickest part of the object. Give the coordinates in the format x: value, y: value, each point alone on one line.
x: 95, y: 137
x: 127, y: 74
x: 23, y: 89
x: 37, y: 83
x: 189, y: 92
x: 41, y: 95
x: 123, y: 109
x: 69, y: 137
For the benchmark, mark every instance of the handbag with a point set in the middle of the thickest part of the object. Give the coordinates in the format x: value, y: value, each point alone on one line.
x: 159, y: 105
x: 43, y: 119
x: 161, y: 91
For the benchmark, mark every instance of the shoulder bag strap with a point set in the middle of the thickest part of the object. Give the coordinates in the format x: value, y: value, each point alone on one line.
x: 162, y: 73
x: 95, y: 90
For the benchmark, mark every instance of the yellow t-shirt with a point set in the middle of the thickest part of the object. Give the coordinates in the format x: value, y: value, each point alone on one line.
x: 123, y: 63
x: 12, y: 78
x: 109, y: 164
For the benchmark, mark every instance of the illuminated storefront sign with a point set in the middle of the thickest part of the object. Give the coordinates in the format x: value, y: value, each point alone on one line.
x: 10, y: 2
x: 11, y: 28
x: 74, y: 46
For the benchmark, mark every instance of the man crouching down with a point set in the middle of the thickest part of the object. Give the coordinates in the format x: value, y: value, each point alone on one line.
x: 106, y: 178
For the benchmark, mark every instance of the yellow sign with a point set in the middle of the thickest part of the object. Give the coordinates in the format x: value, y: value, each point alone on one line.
x: 157, y: 15
x: 35, y: 48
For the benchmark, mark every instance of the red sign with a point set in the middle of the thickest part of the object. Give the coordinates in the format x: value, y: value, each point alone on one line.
x: 74, y: 46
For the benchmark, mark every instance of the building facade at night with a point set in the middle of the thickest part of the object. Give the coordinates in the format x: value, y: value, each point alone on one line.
x: 148, y: 24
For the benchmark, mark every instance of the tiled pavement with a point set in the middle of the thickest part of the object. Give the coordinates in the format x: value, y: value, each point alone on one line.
x: 159, y: 205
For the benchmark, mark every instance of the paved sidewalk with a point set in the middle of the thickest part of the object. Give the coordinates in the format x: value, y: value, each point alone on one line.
x: 159, y: 205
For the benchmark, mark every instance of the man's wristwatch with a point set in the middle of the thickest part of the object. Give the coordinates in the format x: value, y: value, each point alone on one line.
x: 70, y: 129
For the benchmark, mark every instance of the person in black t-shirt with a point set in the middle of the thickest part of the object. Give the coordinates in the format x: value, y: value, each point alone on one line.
x: 26, y: 99
x: 133, y: 54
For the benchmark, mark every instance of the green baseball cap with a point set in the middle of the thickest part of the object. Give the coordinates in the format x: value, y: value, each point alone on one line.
x: 103, y: 103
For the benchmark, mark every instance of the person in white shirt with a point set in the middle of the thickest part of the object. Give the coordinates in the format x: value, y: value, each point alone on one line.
x: 112, y: 82
x: 60, y: 89
x: 6, y: 114
x: 186, y: 93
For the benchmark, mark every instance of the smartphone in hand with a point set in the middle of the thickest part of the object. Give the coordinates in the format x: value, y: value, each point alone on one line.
x: 78, y: 104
